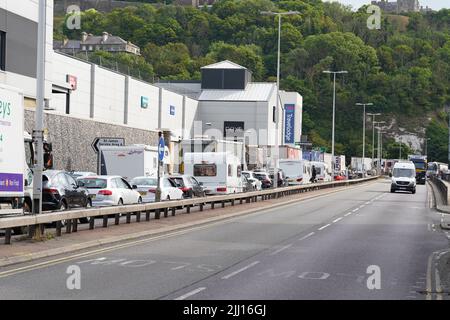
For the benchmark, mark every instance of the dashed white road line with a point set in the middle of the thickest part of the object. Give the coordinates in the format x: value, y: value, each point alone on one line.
x: 337, y: 220
x: 323, y: 227
x: 240, y: 270
x: 355, y: 210
x: 307, y: 236
x: 281, y: 249
x: 189, y: 294
x: 346, y: 215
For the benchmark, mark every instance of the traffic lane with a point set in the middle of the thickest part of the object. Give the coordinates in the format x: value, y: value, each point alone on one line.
x: 333, y: 262
x: 158, y: 268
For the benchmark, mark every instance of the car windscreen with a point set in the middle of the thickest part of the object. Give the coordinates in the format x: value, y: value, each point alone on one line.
x: 420, y: 165
x: 404, y: 173
x: 205, y: 170
x: 260, y: 176
x: 179, y: 183
x: 94, y: 183
x: 246, y: 174
x: 144, y: 182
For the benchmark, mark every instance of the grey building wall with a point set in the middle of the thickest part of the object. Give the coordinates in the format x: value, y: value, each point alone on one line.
x: 72, y: 138
x: 21, y: 43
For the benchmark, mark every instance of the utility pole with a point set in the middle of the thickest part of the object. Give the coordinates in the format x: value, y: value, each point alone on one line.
x: 38, y: 132
x: 334, y: 116
x: 373, y: 133
x: 278, y: 117
x: 364, y: 134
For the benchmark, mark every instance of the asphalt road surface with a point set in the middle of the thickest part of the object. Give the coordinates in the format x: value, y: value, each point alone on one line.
x: 360, y: 243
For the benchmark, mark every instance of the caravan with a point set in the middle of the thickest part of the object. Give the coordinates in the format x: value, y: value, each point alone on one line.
x: 218, y: 172
x: 297, y: 171
x: 322, y: 171
x: 128, y: 161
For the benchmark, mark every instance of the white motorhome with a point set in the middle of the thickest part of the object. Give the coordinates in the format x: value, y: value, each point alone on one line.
x: 128, y: 161
x: 218, y: 172
x: 322, y: 171
x: 297, y: 171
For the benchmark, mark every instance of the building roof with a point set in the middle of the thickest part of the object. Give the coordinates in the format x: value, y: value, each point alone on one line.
x: 224, y: 65
x: 70, y: 44
x: 255, y: 91
x: 94, y: 40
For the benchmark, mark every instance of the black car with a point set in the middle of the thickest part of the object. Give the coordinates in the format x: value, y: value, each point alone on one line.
x: 264, y: 177
x: 60, y: 192
x: 189, y: 185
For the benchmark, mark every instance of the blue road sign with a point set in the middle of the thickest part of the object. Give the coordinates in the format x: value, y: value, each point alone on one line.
x: 161, y: 147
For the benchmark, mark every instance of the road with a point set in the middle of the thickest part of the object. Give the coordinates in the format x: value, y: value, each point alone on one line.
x: 320, y: 248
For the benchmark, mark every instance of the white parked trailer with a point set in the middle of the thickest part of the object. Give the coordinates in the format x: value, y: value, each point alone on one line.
x: 218, y: 172
x: 128, y: 161
x: 297, y: 171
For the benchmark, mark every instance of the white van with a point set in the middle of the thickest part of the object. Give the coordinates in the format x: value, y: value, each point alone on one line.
x: 404, y: 177
x: 217, y: 172
x: 297, y: 171
x: 322, y: 174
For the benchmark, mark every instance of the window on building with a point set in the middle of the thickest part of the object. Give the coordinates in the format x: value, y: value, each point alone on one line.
x: 274, y: 114
x: 2, y: 50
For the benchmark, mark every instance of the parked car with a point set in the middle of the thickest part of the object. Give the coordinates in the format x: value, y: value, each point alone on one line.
x: 264, y: 177
x: 61, y: 192
x: 250, y: 175
x: 146, y: 186
x: 109, y: 191
x: 189, y: 185
x: 79, y: 174
x: 247, y: 186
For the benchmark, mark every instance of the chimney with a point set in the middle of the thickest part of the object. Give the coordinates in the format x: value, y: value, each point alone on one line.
x: 105, y: 36
x: 84, y: 36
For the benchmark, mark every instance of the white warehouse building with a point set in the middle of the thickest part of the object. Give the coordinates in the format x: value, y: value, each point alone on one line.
x: 85, y: 101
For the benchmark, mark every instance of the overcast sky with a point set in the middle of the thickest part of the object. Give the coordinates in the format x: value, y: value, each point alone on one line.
x: 434, y: 4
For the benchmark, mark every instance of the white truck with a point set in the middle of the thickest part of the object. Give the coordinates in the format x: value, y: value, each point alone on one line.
x: 12, y: 153
x: 128, y: 161
x: 217, y: 172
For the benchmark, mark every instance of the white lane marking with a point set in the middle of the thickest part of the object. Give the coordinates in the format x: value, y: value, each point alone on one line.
x: 240, y: 270
x: 325, y: 226
x: 189, y: 294
x: 337, y: 220
x: 281, y: 249
x: 368, y: 202
x: 355, y: 210
x: 346, y: 215
x: 307, y: 236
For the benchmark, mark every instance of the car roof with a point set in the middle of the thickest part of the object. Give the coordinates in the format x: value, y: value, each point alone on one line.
x: 405, y: 165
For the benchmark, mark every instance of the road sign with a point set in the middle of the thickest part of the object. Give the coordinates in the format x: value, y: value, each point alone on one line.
x: 161, y: 149
x: 107, y: 142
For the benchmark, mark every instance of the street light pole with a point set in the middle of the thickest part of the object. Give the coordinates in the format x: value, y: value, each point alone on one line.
x: 334, y: 115
x: 275, y: 155
x: 379, y: 151
x: 38, y: 132
x: 373, y: 133
x: 364, y: 134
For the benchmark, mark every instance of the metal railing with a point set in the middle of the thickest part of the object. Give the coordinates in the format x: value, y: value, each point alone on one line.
x: 36, y: 223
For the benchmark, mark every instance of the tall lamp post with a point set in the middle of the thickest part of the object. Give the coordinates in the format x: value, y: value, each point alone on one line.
x: 379, y: 145
x: 426, y: 146
x: 334, y: 114
x: 373, y: 115
x: 275, y: 157
x: 364, y: 134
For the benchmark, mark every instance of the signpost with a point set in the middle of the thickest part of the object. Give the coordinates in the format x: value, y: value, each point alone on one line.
x: 107, y: 142
x: 161, y: 153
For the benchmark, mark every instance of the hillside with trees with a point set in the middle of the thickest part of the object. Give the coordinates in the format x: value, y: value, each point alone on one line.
x: 403, y: 68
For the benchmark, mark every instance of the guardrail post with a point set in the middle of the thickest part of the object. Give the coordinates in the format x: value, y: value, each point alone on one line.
x: 58, y: 228
x: 69, y: 226
x: 105, y: 221
x: 188, y: 209
x: 138, y: 216
x: 201, y: 206
x: 128, y: 217
x: 117, y: 219
x: 147, y: 215
x: 212, y: 205
x: 174, y: 210
x: 8, y: 236
x: 31, y: 231
x: 157, y: 214
x: 223, y: 204
x: 232, y: 203
x: 247, y: 200
x: 92, y: 223
x: 166, y: 212
x: 74, y: 225
x: 241, y: 200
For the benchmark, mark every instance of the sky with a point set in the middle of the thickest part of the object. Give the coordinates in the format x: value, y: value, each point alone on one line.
x: 434, y: 4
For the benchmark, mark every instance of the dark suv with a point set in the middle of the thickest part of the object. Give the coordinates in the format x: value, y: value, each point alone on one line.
x: 60, y: 192
x: 189, y: 185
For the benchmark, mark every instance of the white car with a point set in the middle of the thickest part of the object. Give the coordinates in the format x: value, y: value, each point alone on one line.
x: 109, y: 191
x: 250, y: 175
x: 146, y: 186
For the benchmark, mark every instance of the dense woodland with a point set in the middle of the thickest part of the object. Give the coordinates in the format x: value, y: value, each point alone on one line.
x: 403, y: 68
